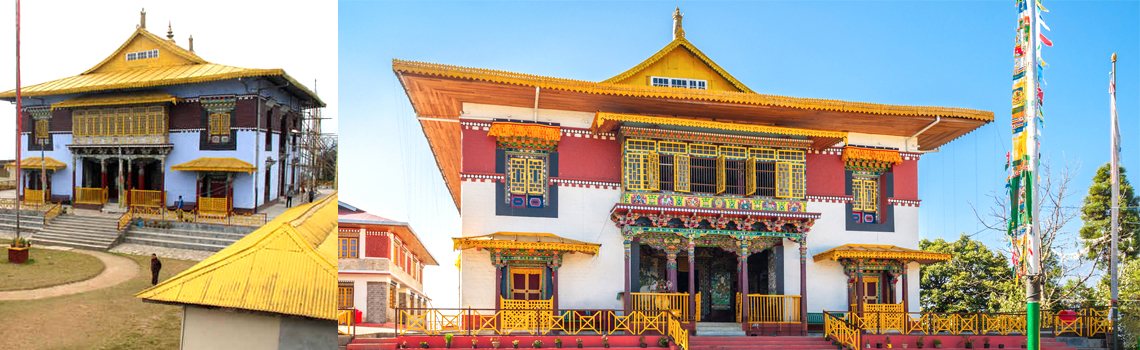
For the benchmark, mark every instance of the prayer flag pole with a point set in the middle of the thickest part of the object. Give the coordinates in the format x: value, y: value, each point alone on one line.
x: 1115, y: 228
x: 1029, y: 177
x: 19, y: 123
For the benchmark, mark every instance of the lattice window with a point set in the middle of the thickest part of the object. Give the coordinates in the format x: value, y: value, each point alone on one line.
x: 42, y: 129
x: 640, y: 146
x: 763, y: 154
x: 219, y: 123
x: 866, y: 193
x: 344, y: 295
x: 666, y: 147
x: 732, y: 152
x: 348, y: 247
x: 750, y: 173
x: 681, y: 173
x: 526, y: 283
x: 535, y: 176
x: 392, y: 296
x: 641, y: 171
x: 790, y: 156
x: 702, y: 150
x: 720, y: 174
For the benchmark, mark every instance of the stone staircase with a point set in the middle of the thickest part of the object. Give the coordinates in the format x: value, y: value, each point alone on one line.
x: 749, y: 343
x: 719, y: 329
x: 79, y: 231
x: 182, y: 235
x: 30, y: 222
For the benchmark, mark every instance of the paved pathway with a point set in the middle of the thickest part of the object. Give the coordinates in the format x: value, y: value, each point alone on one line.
x: 116, y: 270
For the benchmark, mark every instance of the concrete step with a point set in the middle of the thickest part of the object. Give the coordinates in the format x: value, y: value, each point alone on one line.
x: 187, y: 232
x: 77, y: 231
x: 173, y: 243
x: 187, y: 238
x: 77, y: 235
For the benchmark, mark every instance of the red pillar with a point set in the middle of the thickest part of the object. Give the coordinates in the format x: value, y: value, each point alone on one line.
x: 554, y: 292
x: 905, y: 296
x: 498, y: 287
x: 628, y: 295
x: 692, y: 284
x: 671, y: 267
x: 803, y: 285
x: 744, y: 288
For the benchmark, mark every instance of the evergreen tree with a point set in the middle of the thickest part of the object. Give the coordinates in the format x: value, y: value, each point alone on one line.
x: 1096, y: 215
x: 1129, y: 313
x: 974, y: 280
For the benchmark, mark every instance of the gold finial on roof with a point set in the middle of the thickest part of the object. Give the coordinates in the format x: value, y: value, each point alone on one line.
x: 677, y: 31
x: 169, y: 31
x: 191, y: 43
x: 1113, y: 57
x: 142, y: 18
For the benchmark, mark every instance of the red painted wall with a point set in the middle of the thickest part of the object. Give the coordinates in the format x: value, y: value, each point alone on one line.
x: 478, y: 152
x: 582, y: 158
x: 824, y: 175
x: 376, y: 246
x: 906, y: 180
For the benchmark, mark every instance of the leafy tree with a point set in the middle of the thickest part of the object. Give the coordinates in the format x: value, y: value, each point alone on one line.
x: 972, y: 281
x: 1097, y: 217
x: 1129, y: 314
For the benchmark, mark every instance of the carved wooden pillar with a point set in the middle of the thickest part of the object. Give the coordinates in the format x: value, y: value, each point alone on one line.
x: 906, y: 294
x: 628, y: 296
x: 860, y: 288
x: 803, y: 283
x: 671, y: 267
x: 691, y: 249
x: 742, y: 260
x: 102, y: 173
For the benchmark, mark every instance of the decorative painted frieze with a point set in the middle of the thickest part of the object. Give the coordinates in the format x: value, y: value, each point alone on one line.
x: 715, y: 202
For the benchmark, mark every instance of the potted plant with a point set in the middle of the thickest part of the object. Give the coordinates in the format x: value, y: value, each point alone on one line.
x: 904, y: 344
x: 868, y: 344
x: 494, y: 343
x: 986, y: 342
x: 605, y: 342
x: 474, y: 343
x: 18, y: 250
x: 423, y: 345
x: 447, y: 340
x: 878, y: 345
x: 969, y: 343
x: 920, y: 341
x: 558, y: 343
x: 515, y: 344
x: 663, y: 342
x: 937, y: 343
x: 888, y: 341
x: 1022, y: 344
x: 537, y: 344
x: 404, y: 345
x: 579, y: 341
x: 641, y: 342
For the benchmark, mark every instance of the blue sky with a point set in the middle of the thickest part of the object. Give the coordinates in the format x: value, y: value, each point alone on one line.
x: 955, y: 54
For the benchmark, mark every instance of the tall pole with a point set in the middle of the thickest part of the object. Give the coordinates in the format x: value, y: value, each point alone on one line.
x: 1033, y: 275
x: 1115, y: 201
x: 19, y: 122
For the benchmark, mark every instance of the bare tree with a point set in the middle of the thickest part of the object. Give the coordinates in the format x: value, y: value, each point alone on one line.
x: 1061, y: 256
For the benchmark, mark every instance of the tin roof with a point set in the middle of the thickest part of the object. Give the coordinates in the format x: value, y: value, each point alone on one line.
x: 525, y: 240
x: 286, y: 267
x: 117, y: 99
x: 35, y: 162
x: 872, y: 251
x: 222, y: 164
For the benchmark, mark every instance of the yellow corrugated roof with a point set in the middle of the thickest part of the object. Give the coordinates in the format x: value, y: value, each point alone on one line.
x: 679, y: 42
x: 286, y: 267
x: 525, y: 240
x: 184, y: 68
x: 117, y: 99
x: 873, y: 251
x: 34, y: 163
x: 224, y: 164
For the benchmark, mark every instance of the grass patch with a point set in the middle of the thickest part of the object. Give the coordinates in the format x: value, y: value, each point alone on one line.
x: 46, y: 268
x: 109, y: 318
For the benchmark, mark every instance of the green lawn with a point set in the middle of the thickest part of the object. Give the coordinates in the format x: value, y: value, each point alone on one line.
x: 109, y: 318
x: 47, y: 267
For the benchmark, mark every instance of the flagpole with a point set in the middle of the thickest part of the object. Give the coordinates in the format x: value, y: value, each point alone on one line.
x: 19, y: 122
x: 1115, y: 202
x: 1033, y: 283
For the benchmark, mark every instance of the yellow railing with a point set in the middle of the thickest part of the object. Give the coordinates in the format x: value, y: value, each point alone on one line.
x: 7, y: 184
x: 535, y: 321
x: 676, y: 304
x: 91, y: 195
x: 680, y: 335
x: 52, y: 213
x: 10, y: 203
x: 148, y: 213
x: 1086, y: 323
x: 125, y: 219
x: 345, y: 318
x: 36, y: 196
x: 148, y: 198
x: 124, y: 121
x: 774, y: 308
x: 213, y: 206
x: 840, y: 331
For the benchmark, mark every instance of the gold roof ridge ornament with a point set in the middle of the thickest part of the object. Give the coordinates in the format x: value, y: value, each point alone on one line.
x: 678, y: 32
x: 142, y: 18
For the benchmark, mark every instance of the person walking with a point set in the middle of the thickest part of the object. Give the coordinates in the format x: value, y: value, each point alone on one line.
x: 155, y: 266
x: 179, y: 203
x: 289, y: 197
x: 312, y: 195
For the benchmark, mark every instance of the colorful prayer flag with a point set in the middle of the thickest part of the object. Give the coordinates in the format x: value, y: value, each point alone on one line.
x: 1045, y: 40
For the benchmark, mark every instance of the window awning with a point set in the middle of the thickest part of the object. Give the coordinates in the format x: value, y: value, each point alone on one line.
x: 821, y: 139
x: 871, y: 156
x: 118, y: 99
x: 548, y: 133
x: 220, y: 164
x: 525, y: 240
x: 36, y: 162
x: 871, y: 251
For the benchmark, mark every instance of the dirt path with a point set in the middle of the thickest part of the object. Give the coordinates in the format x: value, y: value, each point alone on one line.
x: 118, y: 270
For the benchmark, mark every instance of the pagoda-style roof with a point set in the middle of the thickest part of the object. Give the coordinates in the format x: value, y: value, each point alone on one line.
x: 438, y: 92
x: 889, y: 252
x: 286, y: 267
x: 219, y: 164
x: 35, y: 163
x: 173, y: 65
x: 117, y: 99
x: 526, y: 241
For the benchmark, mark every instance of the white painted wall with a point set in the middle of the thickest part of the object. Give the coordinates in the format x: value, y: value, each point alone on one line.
x: 209, y: 329
x: 583, y: 214
x: 900, y: 142
x: 565, y: 118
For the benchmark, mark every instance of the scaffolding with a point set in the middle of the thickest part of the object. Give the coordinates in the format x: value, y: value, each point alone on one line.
x: 316, y: 163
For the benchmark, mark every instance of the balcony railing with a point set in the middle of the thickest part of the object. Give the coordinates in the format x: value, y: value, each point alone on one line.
x: 676, y: 304
x: 126, y: 125
x: 36, y: 196
x: 214, y: 206
x: 91, y: 195
x: 148, y: 198
x: 774, y: 308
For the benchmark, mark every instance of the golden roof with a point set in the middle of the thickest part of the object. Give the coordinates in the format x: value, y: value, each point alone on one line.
x: 680, y: 42
x: 286, y: 267
x: 173, y: 66
x: 750, y: 98
x: 35, y: 163
x: 117, y: 99
x: 221, y: 164
x: 525, y: 240
x: 871, y: 251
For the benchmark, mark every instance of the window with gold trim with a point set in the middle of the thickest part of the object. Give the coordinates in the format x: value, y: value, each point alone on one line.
x: 865, y: 199
x: 348, y: 247
x: 671, y: 166
x: 526, y: 283
x: 527, y: 179
x: 344, y: 295
x: 219, y: 123
x: 42, y: 130
x: 122, y: 121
